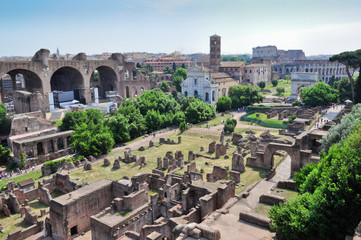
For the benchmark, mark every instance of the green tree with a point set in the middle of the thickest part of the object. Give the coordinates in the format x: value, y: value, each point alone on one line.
x: 4, y: 155
x: 183, y: 66
x: 344, y: 88
x: 92, y: 139
x: 352, y: 61
x: 339, y: 132
x: 153, y: 120
x: 287, y: 78
x: 119, y: 127
x: 291, y: 118
x: 296, y: 103
x: 334, y: 199
x: 164, y: 86
x: 182, y: 126
x: 244, y: 95
x: 280, y: 90
x: 73, y: 119
x: 199, y: 111
x: 4, y: 121
x: 138, y: 65
x: 137, y: 124
x: 174, y: 66
x: 319, y: 95
x: 149, y: 68
x: 230, y: 125
x: 168, y: 70
x: 94, y: 115
x: 96, y: 76
x: 224, y: 104
x: 357, y: 98
x: 262, y: 85
x: 179, y: 75
x: 274, y: 82
x: 22, y: 161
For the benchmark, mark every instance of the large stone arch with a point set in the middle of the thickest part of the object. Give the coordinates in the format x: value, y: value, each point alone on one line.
x: 302, y: 79
x: 66, y: 79
x: 107, y: 80
x: 32, y: 82
x: 291, y: 151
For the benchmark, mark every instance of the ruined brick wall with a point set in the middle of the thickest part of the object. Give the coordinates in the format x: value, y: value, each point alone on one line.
x: 135, y: 200
x: 208, y: 204
x: 25, y: 233
x: 76, y: 213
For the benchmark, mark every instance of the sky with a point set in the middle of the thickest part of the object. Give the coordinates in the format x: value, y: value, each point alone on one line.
x: 97, y: 26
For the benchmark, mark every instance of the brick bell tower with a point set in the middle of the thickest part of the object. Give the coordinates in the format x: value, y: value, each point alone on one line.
x: 215, y: 52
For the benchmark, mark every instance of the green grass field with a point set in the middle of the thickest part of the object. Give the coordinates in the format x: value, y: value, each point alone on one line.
x: 214, y: 122
x: 263, y: 118
x: 34, y: 175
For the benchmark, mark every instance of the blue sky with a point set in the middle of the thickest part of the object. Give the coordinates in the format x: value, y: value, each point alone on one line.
x: 96, y: 26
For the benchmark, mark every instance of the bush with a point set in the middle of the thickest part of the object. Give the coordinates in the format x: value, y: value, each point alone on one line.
x: 224, y: 104
x: 22, y: 161
x: 320, y: 94
x: 262, y: 85
x: 296, y: 103
x: 339, y: 132
x: 291, y: 118
x: 182, y: 127
x: 230, y: 125
x: 4, y: 155
x: 244, y: 95
x: 334, y: 198
x: 164, y: 86
x: 274, y: 83
x: 280, y: 90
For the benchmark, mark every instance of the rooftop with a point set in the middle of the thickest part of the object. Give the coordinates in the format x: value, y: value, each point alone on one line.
x: 81, y: 192
x: 256, y: 65
x: 233, y: 64
x: 26, y: 182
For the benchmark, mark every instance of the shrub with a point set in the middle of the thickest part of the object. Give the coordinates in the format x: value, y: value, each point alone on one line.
x: 4, y: 155
x: 262, y: 85
x: 22, y: 161
x: 274, y: 82
x: 164, y: 86
x: 244, y: 95
x: 230, y: 125
x: 182, y: 126
x: 224, y: 104
x: 291, y: 118
x: 280, y: 90
x: 296, y: 103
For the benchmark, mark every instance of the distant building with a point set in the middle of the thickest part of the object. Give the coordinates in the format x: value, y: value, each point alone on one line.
x: 265, y: 52
x: 159, y: 64
x: 291, y: 55
x: 325, y: 69
x: 199, y: 82
x: 255, y: 73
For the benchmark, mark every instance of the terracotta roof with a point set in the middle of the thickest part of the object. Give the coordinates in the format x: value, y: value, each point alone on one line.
x: 26, y: 182
x: 256, y: 65
x: 233, y: 64
x: 221, y: 77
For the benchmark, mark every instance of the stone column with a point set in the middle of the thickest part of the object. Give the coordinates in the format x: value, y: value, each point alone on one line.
x: 55, y: 145
x: 65, y: 142
x: 45, y: 148
x: 35, y: 150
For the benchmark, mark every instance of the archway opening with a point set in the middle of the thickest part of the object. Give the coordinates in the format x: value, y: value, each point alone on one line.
x: 68, y: 84
x: 18, y: 79
x: 127, y: 95
x: 106, y: 79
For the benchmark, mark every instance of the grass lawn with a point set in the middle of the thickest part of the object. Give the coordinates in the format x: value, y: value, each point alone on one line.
x: 263, y: 118
x: 215, y: 121
x: 262, y: 209
x: 191, y: 140
x: 13, y: 223
x: 281, y: 83
x: 58, y: 123
x: 34, y: 175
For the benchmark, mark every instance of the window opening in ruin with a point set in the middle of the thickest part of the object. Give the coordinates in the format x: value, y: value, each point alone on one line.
x: 74, y: 230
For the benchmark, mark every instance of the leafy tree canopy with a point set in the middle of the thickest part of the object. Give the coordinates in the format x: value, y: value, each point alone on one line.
x: 319, y: 95
x: 244, y: 95
x: 224, y: 104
